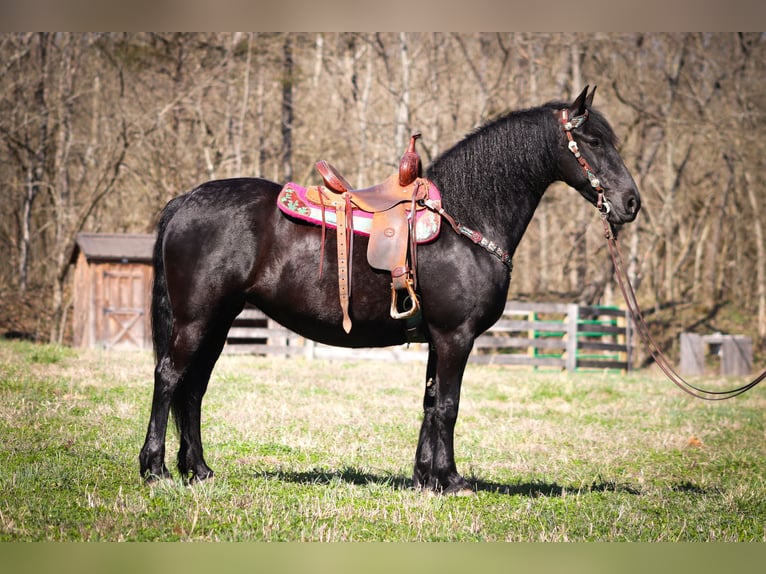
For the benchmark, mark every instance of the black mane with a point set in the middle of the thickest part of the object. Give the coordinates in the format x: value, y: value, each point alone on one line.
x: 517, y: 152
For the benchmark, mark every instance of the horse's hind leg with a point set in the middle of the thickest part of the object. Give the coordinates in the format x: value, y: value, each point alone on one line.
x: 200, y: 344
x: 181, y: 379
x: 152, y: 456
x: 171, y: 373
x: 187, y: 404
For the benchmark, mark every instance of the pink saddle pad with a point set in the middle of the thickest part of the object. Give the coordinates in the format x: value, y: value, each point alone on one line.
x: 293, y: 201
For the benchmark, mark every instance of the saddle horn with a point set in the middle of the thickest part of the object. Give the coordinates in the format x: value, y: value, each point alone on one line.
x: 410, y: 167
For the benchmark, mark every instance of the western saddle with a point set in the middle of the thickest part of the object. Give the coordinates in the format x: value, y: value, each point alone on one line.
x: 392, y: 242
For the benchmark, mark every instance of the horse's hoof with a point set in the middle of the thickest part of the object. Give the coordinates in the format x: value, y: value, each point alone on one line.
x: 152, y: 480
x: 195, y: 481
x: 207, y: 476
x: 467, y: 491
x: 459, y: 491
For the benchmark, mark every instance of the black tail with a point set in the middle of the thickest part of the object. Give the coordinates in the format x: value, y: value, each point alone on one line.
x: 162, y: 316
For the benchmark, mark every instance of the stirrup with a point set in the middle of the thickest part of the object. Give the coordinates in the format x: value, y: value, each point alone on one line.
x: 408, y: 313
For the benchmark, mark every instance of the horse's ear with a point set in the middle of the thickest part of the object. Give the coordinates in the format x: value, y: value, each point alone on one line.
x: 581, y: 103
x: 589, y: 98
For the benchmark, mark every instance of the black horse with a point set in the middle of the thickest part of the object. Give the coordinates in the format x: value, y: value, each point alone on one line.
x: 226, y: 243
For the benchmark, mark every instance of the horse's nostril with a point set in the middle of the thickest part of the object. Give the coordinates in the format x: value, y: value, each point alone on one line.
x: 631, y: 205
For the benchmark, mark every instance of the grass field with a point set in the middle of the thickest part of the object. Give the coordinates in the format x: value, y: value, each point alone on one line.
x: 319, y: 451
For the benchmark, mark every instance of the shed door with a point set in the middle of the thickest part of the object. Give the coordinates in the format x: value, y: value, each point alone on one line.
x: 124, y: 299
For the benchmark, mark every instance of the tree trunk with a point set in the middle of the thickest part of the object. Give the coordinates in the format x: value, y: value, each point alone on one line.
x: 403, y: 106
x: 362, y: 106
x: 287, y: 107
x: 760, y: 250
x: 32, y: 189
x: 259, y: 167
x: 318, y: 60
x: 715, y: 249
x: 36, y: 163
x: 238, y: 129
x: 578, y: 271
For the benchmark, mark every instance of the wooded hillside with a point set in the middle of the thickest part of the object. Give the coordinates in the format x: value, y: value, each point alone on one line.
x: 98, y: 131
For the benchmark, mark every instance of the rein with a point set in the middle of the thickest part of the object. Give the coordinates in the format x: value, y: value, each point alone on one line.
x: 490, y: 246
x: 627, y: 289
x: 638, y: 319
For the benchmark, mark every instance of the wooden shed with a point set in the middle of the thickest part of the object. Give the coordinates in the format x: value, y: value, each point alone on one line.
x: 112, y: 290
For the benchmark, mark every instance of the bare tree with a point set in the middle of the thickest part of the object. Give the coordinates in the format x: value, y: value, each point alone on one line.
x: 26, y: 131
x: 98, y: 131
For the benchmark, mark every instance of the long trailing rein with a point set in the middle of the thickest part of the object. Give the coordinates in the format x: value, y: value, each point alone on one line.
x: 627, y: 289
x: 638, y: 320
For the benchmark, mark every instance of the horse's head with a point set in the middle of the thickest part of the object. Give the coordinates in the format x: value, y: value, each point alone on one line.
x: 590, y: 162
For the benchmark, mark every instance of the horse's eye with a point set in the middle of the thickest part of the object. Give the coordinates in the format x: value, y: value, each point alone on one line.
x: 593, y: 142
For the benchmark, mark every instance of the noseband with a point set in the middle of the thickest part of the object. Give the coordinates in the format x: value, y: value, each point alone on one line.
x: 602, y: 204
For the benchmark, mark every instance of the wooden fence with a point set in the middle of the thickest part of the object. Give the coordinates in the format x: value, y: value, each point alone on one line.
x: 557, y: 335
x: 735, y: 353
x: 540, y: 335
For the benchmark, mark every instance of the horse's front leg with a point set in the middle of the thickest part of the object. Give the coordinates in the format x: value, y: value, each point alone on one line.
x: 435, y: 467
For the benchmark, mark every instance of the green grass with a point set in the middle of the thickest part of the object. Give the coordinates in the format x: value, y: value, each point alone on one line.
x: 319, y: 451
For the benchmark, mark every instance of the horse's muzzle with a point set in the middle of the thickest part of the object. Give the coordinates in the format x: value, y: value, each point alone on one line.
x: 624, y: 207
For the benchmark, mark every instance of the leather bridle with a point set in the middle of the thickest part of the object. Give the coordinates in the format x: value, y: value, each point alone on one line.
x: 624, y: 282
x: 570, y: 124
